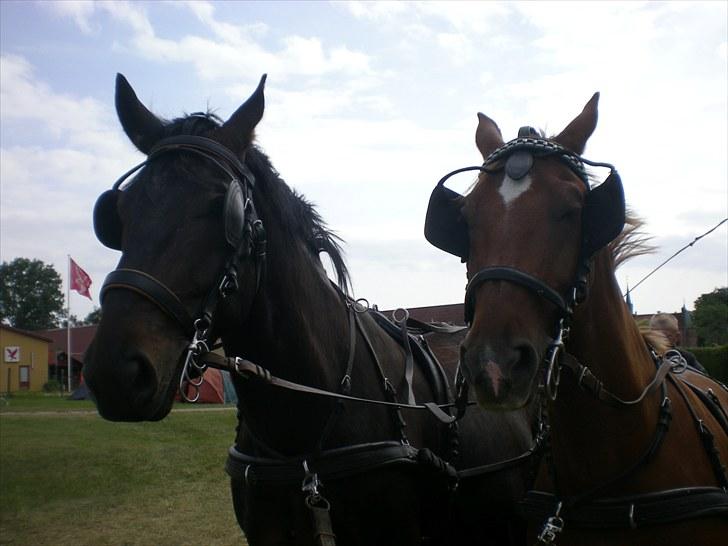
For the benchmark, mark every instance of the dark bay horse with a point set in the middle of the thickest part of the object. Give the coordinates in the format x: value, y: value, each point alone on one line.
x: 638, y: 442
x: 216, y: 246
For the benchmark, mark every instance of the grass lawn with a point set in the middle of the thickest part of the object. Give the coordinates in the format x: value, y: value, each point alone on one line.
x: 75, y: 479
x: 41, y: 401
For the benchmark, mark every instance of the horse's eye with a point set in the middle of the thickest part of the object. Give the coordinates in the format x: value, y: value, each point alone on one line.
x: 568, y: 214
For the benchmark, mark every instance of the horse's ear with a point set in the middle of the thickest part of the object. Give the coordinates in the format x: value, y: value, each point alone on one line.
x: 237, y: 132
x: 488, y: 136
x: 142, y: 127
x: 576, y: 134
x: 604, y: 214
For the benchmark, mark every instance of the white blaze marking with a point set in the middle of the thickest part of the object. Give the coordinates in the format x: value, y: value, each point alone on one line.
x: 510, y: 189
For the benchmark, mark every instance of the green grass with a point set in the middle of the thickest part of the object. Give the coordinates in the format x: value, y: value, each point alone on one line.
x: 41, y: 401
x: 75, y: 479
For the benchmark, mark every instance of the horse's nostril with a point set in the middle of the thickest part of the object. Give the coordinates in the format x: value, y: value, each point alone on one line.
x: 141, y: 378
x: 527, y: 357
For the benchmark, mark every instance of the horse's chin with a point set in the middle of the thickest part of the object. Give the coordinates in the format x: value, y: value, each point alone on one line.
x: 154, y: 410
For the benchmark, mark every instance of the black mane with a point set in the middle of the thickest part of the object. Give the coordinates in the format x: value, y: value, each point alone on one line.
x: 298, y: 215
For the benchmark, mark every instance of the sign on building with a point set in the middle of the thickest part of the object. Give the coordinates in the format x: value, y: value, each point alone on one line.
x: 12, y: 354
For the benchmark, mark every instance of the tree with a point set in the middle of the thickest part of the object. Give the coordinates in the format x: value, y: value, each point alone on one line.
x: 30, y: 294
x: 711, y: 317
x: 94, y: 317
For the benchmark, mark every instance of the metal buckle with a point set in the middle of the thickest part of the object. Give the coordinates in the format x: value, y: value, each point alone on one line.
x: 310, y: 484
x: 553, y: 526
x: 197, y: 346
x: 632, y: 523
x: 228, y: 284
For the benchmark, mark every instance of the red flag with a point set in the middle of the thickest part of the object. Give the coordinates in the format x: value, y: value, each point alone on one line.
x: 80, y: 281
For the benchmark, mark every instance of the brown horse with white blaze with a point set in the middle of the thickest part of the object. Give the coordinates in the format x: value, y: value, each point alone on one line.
x: 638, y: 442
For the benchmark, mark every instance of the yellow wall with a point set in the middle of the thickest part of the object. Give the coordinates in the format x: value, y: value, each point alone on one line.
x: 33, y: 353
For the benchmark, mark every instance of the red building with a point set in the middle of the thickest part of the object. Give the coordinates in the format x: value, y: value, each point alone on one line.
x: 58, y: 351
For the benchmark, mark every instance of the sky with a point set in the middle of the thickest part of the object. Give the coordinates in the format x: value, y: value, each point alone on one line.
x: 367, y: 106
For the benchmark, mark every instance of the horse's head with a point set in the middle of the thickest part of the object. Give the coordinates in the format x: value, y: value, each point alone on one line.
x: 184, y: 226
x: 526, y: 230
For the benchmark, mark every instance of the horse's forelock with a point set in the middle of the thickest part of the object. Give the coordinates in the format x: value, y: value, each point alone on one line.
x: 197, y: 123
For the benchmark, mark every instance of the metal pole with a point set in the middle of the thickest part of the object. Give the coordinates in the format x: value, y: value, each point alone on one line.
x: 68, y: 325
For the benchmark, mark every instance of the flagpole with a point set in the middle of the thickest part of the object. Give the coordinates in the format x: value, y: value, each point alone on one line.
x: 68, y: 326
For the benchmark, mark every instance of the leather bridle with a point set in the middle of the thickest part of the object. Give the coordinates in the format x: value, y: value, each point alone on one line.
x: 251, y: 244
x: 518, y: 155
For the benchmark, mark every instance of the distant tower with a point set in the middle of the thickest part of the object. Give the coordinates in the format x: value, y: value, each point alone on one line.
x: 628, y: 300
x: 687, y: 322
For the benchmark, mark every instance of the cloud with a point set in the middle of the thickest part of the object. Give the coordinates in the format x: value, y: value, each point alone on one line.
x: 24, y: 98
x: 80, y: 11
x: 230, y: 50
x: 458, y: 45
x: 48, y: 190
x: 375, y: 11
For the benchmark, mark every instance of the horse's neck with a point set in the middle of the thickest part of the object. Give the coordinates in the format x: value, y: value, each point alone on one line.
x: 605, y: 337
x: 591, y: 439
x: 298, y: 329
x: 302, y: 325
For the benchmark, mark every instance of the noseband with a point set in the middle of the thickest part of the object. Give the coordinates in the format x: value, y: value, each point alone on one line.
x: 244, y: 232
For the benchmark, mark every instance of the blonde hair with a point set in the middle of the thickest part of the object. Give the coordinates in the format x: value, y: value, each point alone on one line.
x: 664, y: 321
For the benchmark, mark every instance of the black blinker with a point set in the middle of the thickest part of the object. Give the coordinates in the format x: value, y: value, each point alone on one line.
x: 234, y: 214
x: 445, y: 227
x: 107, y: 224
x: 603, y: 216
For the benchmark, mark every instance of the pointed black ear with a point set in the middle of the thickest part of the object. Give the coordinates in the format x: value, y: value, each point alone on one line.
x: 142, y: 127
x: 445, y: 226
x: 604, y: 215
x: 237, y: 132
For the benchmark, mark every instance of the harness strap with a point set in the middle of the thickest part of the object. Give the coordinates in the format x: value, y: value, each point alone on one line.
x: 711, y: 401
x: 247, y: 369
x: 504, y: 465
x: 589, y: 382
x: 330, y: 464
x: 409, y: 363
x: 147, y: 286
x: 707, y: 438
x: 345, y: 385
x: 663, y: 424
x: 631, y: 511
x: 515, y: 276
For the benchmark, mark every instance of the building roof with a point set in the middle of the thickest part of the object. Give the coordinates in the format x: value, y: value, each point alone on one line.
x: 451, y: 313
x: 81, y: 337
x: 34, y: 335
